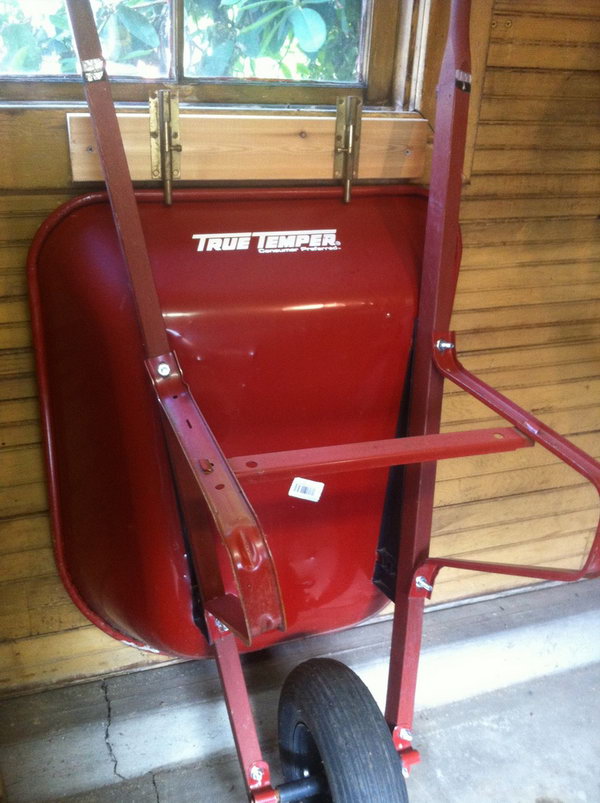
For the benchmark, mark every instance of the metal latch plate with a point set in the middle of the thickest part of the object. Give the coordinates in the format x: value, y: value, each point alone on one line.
x: 347, y: 141
x: 165, y: 138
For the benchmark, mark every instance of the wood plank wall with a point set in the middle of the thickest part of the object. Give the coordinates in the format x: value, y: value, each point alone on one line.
x: 528, y: 306
x: 527, y: 314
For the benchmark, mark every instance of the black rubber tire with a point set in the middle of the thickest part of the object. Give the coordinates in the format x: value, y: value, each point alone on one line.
x: 330, y: 724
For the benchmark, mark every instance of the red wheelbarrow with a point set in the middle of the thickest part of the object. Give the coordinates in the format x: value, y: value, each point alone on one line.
x: 229, y: 385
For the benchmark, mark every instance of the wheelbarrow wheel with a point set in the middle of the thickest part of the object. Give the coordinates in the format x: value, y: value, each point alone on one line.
x: 330, y: 725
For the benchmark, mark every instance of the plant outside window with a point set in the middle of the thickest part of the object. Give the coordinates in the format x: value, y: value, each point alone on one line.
x: 235, y: 40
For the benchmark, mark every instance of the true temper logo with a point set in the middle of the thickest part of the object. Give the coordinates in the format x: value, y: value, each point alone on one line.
x: 271, y: 242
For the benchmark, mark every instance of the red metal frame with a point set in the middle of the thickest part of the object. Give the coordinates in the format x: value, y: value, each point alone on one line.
x: 434, y: 359
x: 201, y: 467
x: 256, y: 771
x: 212, y: 499
x: 438, y: 286
x: 375, y: 454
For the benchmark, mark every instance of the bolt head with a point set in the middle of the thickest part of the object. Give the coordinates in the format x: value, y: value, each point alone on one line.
x: 164, y: 369
x: 257, y: 773
x: 421, y: 582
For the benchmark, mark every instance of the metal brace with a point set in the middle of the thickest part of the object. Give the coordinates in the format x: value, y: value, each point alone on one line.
x: 347, y: 141
x: 165, y: 143
x: 93, y: 69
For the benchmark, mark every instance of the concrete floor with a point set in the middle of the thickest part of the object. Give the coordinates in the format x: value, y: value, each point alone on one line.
x: 508, y: 710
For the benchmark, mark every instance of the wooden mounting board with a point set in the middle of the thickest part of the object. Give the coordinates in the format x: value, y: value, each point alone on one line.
x: 230, y: 147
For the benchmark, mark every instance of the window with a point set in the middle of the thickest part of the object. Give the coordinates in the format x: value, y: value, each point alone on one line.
x: 257, y: 51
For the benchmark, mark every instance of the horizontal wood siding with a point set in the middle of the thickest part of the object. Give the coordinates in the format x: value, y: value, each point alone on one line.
x: 527, y: 316
x: 527, y: 312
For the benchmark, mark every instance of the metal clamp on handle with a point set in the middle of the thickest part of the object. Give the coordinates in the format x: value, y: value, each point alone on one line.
x: 93, y: 69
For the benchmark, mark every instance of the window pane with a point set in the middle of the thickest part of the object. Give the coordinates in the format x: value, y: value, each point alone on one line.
x: 297, y: 40
x: 35, y: 37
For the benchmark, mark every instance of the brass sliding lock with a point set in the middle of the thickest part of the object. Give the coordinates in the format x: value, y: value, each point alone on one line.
x: 165, y: 140
x: 347, y: 141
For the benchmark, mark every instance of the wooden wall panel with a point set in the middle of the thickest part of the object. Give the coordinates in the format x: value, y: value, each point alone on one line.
x: 527, y: 315
x: 528, y: 305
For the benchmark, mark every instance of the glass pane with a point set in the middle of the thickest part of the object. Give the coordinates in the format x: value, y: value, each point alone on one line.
x: 35, y: 37
x: 295, y: 40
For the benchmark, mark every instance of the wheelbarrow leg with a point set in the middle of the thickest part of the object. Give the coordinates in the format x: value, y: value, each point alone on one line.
x: 255, y: 769
x: 438, y: 286
x: 411, y: 592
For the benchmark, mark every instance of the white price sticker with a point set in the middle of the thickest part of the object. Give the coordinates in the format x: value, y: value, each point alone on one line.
x: 306, y: 489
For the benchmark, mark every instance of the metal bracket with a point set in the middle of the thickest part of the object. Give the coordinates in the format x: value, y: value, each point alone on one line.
x: 93, y: 69
x: 165, y: 140
x: 347, y: 141
x: 463, y: 80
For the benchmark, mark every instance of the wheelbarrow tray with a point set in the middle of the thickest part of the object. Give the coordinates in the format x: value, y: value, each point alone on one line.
x: 292, y: 316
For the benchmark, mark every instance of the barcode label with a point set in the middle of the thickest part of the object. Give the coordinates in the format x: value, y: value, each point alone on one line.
x: 306, y: 489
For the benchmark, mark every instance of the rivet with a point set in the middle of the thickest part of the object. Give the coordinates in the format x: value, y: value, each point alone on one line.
x: 164, y: 369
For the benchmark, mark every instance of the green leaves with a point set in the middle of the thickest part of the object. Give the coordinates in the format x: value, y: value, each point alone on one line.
x: 276, y: 17
x: 137, y: 25
x: 297, y: 40
x: 309, y: 29
x: 36, y: 38
x: 217, y: 62
x: 22, y: 53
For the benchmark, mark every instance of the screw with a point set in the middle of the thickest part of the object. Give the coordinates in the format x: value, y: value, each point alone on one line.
x: 164, y: 369
x: 256, y: 773
x: 421, y: 582
x: 443, y: 345
x: 221, y: 626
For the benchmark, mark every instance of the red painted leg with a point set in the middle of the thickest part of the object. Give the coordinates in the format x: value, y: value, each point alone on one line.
x: 438, y: 284
x: 255, y: 769
x: 408, y: 614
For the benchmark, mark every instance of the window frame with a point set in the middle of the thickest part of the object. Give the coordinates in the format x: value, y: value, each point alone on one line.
x: 391, y: 35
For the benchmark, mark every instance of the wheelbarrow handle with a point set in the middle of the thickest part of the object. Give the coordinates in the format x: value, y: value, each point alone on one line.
x: 117, y: 177
x: 215, y: 508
